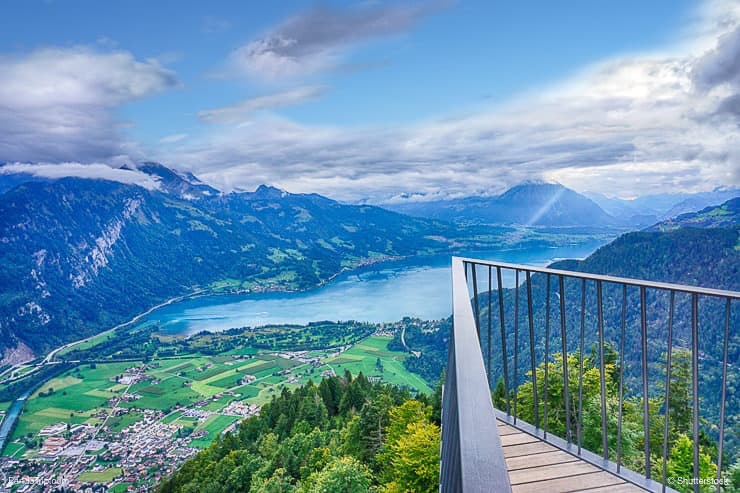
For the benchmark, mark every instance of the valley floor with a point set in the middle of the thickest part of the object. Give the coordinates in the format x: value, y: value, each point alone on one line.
x: 130, y: 423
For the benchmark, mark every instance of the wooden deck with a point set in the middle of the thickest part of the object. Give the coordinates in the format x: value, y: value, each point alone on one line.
x: 536, y: 466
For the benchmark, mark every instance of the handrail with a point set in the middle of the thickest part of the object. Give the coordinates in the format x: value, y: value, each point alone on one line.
x: 472, y: 456
x: 480, y: 307
x: 681, y: 288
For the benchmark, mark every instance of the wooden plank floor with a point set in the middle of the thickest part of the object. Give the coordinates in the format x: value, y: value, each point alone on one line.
x: 535, y: 466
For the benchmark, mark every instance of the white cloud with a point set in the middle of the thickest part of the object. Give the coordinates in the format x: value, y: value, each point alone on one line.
x: 630, y: 126
x: 94, y: 171
x: 316, y: 40
x: 55, y: 103
x: 238, y: 112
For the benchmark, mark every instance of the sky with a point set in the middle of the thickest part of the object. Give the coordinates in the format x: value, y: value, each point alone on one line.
x: 377, y: 101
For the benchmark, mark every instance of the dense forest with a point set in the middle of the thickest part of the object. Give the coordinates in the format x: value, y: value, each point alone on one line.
x: 344, y: 435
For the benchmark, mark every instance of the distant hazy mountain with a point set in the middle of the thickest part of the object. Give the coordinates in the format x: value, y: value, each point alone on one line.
x: 649, y: 209
x: 726, y: 215
x: 531, y: 203
x: 79, y: 255
x: 700, y: 201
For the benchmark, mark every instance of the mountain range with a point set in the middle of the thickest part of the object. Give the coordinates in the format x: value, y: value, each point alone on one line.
x: 529, y: 204
x: 650, y: 209
x: 726, y: 215
x: 79, y: 255
x: 540, y: 204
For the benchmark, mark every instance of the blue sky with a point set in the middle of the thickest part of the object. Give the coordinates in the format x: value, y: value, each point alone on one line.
x: 374, y: 99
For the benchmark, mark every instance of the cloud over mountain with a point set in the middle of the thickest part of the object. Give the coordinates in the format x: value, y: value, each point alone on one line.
x: 55, y: 103
x: 631, y: 124
x: 93, y: 171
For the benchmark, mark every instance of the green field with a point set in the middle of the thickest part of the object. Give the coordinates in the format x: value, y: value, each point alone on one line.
x: 242, y: 351
x: 203, y: 376
x: 163, y: 395
x: 118, y: 423
x: 214, y: 425
x: 76, y: 396
x: 14, y: 449
x: 82, y: 395
x: 363, y: 357
x: 247, y: 391
x: 228, y: 380
x: 120, y: 488
x: 105, y: 476
x: 179, y: 367
x: 172, y: 417
x: 88, y: 344
x: 258, y: 365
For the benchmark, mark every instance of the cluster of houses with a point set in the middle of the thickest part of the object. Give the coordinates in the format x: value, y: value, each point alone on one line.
x: 133, y: 375
x: 148, y: 448
x: 243, y: 409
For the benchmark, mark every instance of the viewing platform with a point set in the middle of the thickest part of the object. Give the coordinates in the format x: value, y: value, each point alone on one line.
x: 536, y: 466
x: 517, y: 416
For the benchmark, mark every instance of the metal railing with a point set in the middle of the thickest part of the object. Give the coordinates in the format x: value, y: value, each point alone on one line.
x: 472, y: 457
x: 533, y: 335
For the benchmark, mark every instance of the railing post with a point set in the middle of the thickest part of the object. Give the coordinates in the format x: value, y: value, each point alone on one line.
x: 472, y: 457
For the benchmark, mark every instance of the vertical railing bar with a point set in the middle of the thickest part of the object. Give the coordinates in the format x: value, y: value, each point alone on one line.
x: 602, y: 373
x: 580, y: 364
x: 475, y: 299
x: 490, y: 341
x: 516, y: 342
x: 531, y: 352
x: 645, y: 406
x: 547, y: 350
x: 668, y: 386
x: 505, y: 359
x: 724, y: 396
x: 621, y: 378
x: 695, y: 381
x: 563, y: 337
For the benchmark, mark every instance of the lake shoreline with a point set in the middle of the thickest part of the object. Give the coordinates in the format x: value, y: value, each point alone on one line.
x: 208, y: 310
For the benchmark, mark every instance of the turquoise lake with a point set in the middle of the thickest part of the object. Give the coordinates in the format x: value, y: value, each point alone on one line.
x: 417, y: 287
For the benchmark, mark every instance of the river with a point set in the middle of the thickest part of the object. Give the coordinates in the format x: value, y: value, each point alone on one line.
x: 7, y: 424
x: 416, y: 287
